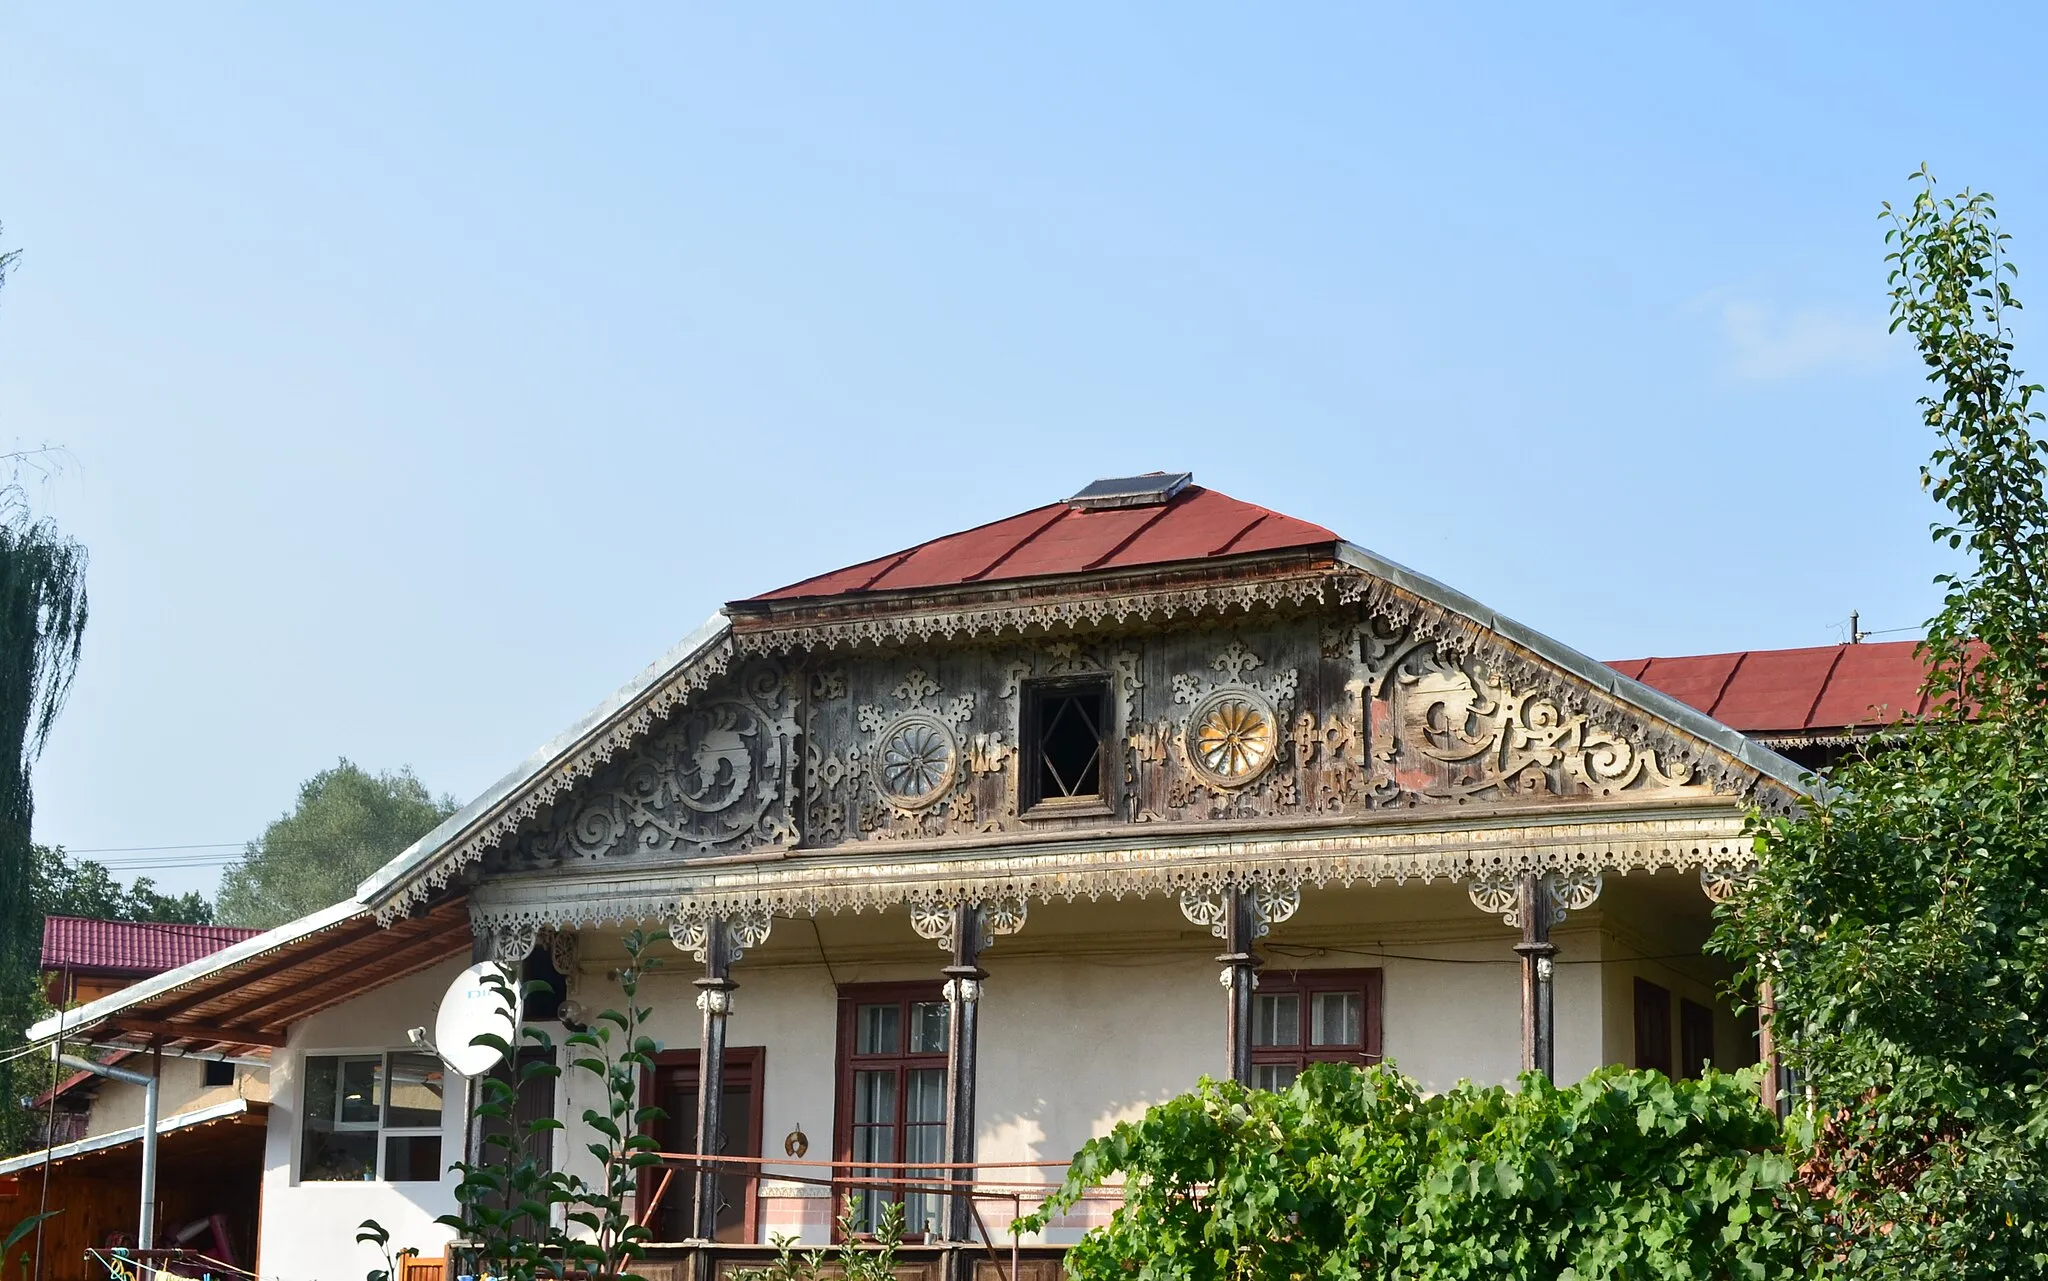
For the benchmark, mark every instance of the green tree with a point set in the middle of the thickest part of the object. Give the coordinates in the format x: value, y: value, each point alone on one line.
x: 62, y: 887
x: 347, y: 824
x: 42, y: 626
x: 1902, y: 921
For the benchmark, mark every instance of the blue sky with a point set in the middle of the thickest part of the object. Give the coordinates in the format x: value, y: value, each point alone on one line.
x: 426, y: 373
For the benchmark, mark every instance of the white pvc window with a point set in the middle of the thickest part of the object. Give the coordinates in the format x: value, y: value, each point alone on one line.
x: 372, y: 1117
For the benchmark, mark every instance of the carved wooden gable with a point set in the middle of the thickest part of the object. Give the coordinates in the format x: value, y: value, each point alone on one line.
x: 1335, y: 713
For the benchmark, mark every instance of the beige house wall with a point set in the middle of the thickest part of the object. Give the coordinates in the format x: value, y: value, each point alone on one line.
x: 117, y: 1105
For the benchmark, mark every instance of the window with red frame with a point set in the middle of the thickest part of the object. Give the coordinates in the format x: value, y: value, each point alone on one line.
x: 1313, y: 1016
x: 892, y: 1097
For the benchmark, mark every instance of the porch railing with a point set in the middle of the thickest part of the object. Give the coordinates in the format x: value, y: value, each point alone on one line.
x: 929, y: 1178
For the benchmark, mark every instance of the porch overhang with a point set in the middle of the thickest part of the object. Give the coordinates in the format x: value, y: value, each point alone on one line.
x: 245, y: 998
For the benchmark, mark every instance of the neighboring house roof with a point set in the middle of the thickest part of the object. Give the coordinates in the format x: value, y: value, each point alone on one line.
x: 1069, y: 538
x: 131, y: 947
x: 77, y: 1079
x: 1792, y: 691
x: 247, y: 995
x: 234, y: 1112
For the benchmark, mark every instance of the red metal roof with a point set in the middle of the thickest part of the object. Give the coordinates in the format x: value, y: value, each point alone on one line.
x: 1763, y: 691
x: 130, y: 947
x: 1195, y: 524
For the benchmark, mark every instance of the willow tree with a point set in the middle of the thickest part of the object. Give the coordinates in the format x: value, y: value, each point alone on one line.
x: 42, y: 624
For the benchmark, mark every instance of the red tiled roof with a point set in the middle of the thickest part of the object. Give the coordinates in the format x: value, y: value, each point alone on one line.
x: 130, y: 947
x: 1195, y: 524
x: 1764, y: 691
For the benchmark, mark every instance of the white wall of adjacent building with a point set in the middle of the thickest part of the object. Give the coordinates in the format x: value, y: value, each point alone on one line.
x: 309, y: 1228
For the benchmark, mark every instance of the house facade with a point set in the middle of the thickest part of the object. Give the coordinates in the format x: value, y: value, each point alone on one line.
x: 963, y: 855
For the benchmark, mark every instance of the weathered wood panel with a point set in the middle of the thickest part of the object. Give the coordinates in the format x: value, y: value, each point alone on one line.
x: 1320, y: 715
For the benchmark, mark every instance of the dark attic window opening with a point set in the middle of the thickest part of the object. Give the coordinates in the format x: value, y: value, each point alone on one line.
x: 543, y: 1006
x: 1063, y: 735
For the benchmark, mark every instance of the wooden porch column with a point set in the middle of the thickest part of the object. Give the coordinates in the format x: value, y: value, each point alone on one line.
x: 1767, y: 1043
x: 963, y: 997
x: 1539, y: 1022
x: 1240, y: 978
x: 714, y: 998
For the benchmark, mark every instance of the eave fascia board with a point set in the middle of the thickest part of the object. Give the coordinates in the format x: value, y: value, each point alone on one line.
x: 376, y: 888
x: 70, y: 1023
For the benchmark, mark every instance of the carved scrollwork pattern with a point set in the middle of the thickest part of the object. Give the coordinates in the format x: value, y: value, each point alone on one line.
x: 746, y: 926
x: 1497, y: 894
x: 1271, y: 906
x: 1727, y: 880
x: 1003, y: 916
x: 512, y: 943
x: 716, y: 781
x: 1572, y: 890
x: 1205, y: 909
x: 933, y: 921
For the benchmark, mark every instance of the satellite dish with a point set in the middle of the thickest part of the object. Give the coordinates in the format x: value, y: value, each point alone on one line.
x: 481, y: 1000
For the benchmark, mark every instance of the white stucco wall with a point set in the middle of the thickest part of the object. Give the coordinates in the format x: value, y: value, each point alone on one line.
x: 309, y: 1228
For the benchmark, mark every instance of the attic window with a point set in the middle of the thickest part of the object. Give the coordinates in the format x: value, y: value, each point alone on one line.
x: 1065, y: 763
x: 1149, y: 490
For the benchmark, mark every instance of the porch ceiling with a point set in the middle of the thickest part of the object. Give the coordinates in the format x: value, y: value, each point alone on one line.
x: 249, y: 1005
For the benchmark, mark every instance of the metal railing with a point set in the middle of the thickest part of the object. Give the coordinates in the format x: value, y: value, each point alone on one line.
x: 912, y: 1178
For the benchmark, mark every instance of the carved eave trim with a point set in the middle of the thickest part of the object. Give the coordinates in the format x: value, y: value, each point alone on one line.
x: 1303, y: 579
x: 1526, y: 658
x: 1389, y: 593
x: 1051, y: 605
x: 1097, y: 870
x: 629, y: 715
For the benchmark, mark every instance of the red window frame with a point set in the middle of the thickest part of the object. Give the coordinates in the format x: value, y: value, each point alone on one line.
x: 851, y: 998
x: 1367, y: 984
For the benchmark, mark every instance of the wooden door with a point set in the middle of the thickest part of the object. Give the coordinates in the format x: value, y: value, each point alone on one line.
x: 672, y: 1086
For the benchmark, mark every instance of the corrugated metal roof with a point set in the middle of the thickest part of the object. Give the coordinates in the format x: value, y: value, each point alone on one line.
x: 1761, y: 691
x: 131, y: 947
x: 1060, y: 538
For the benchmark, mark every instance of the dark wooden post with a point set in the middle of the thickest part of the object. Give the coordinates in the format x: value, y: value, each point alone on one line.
x: 963, y: 998
x: 1240, y: 978
x: 1537, y: 952
x: 714, y: 998
x: 1767, y: 1042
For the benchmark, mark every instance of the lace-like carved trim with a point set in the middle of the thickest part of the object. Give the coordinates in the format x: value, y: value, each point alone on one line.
x: 1279, y: 865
